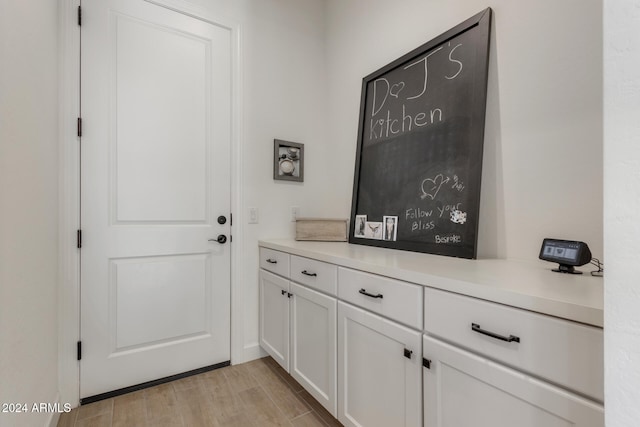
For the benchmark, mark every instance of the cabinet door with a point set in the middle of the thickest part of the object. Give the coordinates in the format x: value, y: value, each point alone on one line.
x: 274, y: 317
x: 379, y: 371
x: 463, y: 389
x: 313, y: 344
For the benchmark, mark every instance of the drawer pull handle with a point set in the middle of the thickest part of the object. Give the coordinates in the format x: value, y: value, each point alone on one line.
x: 476, y: 328
x: 306, y: 273
x: 363, y: 291
x: 272, y: 261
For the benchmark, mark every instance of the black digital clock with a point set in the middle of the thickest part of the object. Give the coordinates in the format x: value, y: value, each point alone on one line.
x: 567, y: 253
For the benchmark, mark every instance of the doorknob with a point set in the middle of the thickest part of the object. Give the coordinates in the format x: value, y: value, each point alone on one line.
x: 222, y: 219
x: 222, y: 239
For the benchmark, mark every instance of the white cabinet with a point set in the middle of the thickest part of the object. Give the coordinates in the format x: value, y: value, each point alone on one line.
x: 464, y: 389
x: 314, y: 274
x: 379, y: 365
x: 298, y: 328
x: 566, y: 353
x: 400, y: 301
x: 507, y: 365
x: 313, y: 344
x: 349, y: 327
x: 275, y: 261
x: 274, y: 317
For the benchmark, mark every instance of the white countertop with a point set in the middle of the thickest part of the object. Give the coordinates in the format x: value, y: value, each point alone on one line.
x: 530, y: 285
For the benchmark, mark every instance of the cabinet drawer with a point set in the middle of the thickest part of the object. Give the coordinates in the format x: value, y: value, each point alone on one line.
x: 566, y: 353
x: 315, y: 274
x: 465, y: 389
x: 274, y: 261
x: 397, y: 300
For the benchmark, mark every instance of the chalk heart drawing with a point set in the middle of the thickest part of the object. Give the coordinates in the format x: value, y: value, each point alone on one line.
x: 396, y: 89
x: 431, y: 186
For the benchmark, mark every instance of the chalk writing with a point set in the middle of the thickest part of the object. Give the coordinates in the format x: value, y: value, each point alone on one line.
x: 415, y: 213
x: 422, y: 225
x: 426, y: 72
x: 375, y: 94
x: 396, y: 89
x: 457, y: 184
x: 450, y: 238
x: 397, y: 118
x: 448, y: 208
x: 454, y: 60
x: 390, y: 126
x: 433, y: 186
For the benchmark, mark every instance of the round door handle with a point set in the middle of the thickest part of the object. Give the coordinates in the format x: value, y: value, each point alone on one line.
x: 222, y: 239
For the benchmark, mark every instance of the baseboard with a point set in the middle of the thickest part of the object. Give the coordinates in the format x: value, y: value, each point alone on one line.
x: 253, y: 352
x: 54, y: 417
x: 53, y: 420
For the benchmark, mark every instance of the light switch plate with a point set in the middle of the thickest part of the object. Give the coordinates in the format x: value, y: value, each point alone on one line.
x: 253, y: 216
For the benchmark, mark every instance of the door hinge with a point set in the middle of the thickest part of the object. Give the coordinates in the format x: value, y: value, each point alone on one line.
x: 230, y: 219
x: 426, y: 363
x: 407, y: 353
x: 79, y: 239
x: 79, y: 350
x: 79, y: 126
x: 79, y: 15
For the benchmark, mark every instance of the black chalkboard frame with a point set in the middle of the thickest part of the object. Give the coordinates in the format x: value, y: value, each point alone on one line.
x: 482, y: 21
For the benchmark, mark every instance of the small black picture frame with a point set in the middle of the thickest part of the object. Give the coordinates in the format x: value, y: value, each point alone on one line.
x: 288, y: 160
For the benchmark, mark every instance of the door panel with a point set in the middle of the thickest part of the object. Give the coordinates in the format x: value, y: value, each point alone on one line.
x: 173, y: 292
x: 155, y: 175
x: 156, y: 69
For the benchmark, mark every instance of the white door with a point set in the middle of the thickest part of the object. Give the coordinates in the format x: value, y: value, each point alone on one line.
x: 155, y: 292
x: 462, y: 389
x: 378, y: 386
x: 274, y: 317
x: 313, y: 344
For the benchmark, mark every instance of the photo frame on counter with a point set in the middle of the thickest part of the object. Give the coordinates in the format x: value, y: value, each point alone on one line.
x: 288, y: 161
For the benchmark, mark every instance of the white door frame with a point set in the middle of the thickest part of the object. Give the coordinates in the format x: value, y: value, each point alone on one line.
x: 69, y: 195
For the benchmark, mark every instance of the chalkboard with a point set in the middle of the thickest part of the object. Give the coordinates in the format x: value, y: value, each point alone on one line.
x: 419, y: 158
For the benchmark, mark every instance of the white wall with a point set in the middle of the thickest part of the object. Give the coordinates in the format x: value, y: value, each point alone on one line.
x: 28, y: 207
x: 621, y: 204
x: 283, y: 97
x: 303, y: 65
x: 542, y: 172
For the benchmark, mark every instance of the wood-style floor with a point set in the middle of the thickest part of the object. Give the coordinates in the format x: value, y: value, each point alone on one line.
x: 255, y: 394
